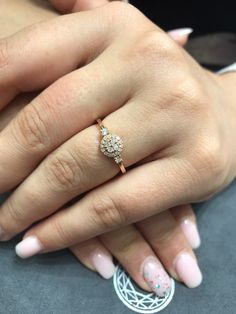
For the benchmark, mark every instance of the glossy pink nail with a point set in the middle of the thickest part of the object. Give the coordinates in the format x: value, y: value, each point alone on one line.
x: 103, y: 264
x: 188, y: 270
x: 29, y: 247
x: 180, y: 32
x: 156, y: 276
x: 191, y: 233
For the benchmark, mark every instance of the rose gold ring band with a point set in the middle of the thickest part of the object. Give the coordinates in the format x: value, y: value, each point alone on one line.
x: 111, y: 145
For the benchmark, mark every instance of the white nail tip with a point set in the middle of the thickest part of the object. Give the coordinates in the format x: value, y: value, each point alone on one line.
x: 181, y: 32
x: 28, y: 247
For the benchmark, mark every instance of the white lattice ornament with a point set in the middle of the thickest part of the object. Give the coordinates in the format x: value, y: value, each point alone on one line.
x: 137, y: 300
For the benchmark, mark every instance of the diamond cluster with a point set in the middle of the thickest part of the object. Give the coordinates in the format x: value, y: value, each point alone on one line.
x: 112, y: 146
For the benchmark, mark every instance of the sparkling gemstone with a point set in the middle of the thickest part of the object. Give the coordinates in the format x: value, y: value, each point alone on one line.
x: 118, y: 159
x: 104, y: 131
x: 111, y: 145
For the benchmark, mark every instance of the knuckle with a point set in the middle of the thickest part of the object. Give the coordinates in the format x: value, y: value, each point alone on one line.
x: 34, y: 30
x: 121, y: 13
x: 153, y: 49
x: 64, y: 171
x: 61, y: 237
x: 210, y: 166
x: 4, y: 53
x: 154, y: 44
x: 129, y: 242
x: 56, y: 96
x: 191, y: 92
x: 212, y: 158
x: 31, y: 128
x: 166, y: 237
x: 107, y: 211
x: 187, y: 97
x: 15, y: 219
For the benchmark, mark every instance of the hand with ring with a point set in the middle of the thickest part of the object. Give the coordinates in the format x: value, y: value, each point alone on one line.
x: 178, y: 145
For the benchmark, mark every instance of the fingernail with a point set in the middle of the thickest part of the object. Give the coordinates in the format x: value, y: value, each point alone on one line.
x: 188, y: 270
x: 28, y: 247
x: 103, y: 264
x: 191, y: 233
x: 156, y: 276
x: 180, y: 32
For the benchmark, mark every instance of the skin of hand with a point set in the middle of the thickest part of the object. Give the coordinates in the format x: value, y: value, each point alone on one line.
x: 224, y: 86
x: 188, y: 157
x: 126, y: 242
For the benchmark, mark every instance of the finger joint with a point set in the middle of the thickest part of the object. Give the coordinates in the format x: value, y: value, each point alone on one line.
x: 31, y: 128
x: 108, y: 211
x: 64, y: 171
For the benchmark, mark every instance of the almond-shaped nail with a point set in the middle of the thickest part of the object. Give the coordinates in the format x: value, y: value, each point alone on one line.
x: 28, y: 247
x: 103, y: 264
x: 156, y: 277
x: 188, y: 270
x: 180, y: 32
x: 191, y: 233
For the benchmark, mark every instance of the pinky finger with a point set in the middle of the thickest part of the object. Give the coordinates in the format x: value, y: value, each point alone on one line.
x: 186, y: 218
x: 95, y: 256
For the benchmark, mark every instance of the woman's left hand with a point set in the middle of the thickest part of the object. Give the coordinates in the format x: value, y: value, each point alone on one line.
x: 167, y: 109
x: 166, y: 239
x: 148, y: 250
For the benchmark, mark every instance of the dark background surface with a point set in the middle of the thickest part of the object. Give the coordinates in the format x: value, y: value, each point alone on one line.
x: 213, y: 42
x: 202, y: 16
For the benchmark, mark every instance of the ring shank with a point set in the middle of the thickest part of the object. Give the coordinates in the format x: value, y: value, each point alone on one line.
x: 121, y: 164
x: 122, y: 167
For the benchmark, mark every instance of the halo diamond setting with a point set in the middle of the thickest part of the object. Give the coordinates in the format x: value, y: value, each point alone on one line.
x: 112, y: 146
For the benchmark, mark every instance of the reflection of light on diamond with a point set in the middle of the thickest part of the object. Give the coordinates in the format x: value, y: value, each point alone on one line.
x: 134, y: 299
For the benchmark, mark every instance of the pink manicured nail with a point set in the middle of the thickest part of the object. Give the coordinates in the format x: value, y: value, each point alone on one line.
x: 103, y: 264
x: 188, y: 270
x: 156, y: 276
x: 191, y: 233
x: 180, y: 32
x: 28, y: 247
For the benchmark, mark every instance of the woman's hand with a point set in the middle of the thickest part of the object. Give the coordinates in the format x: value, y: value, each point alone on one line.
x: 166, y: 238
x: 142, y: 78
x: 130, y: 247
